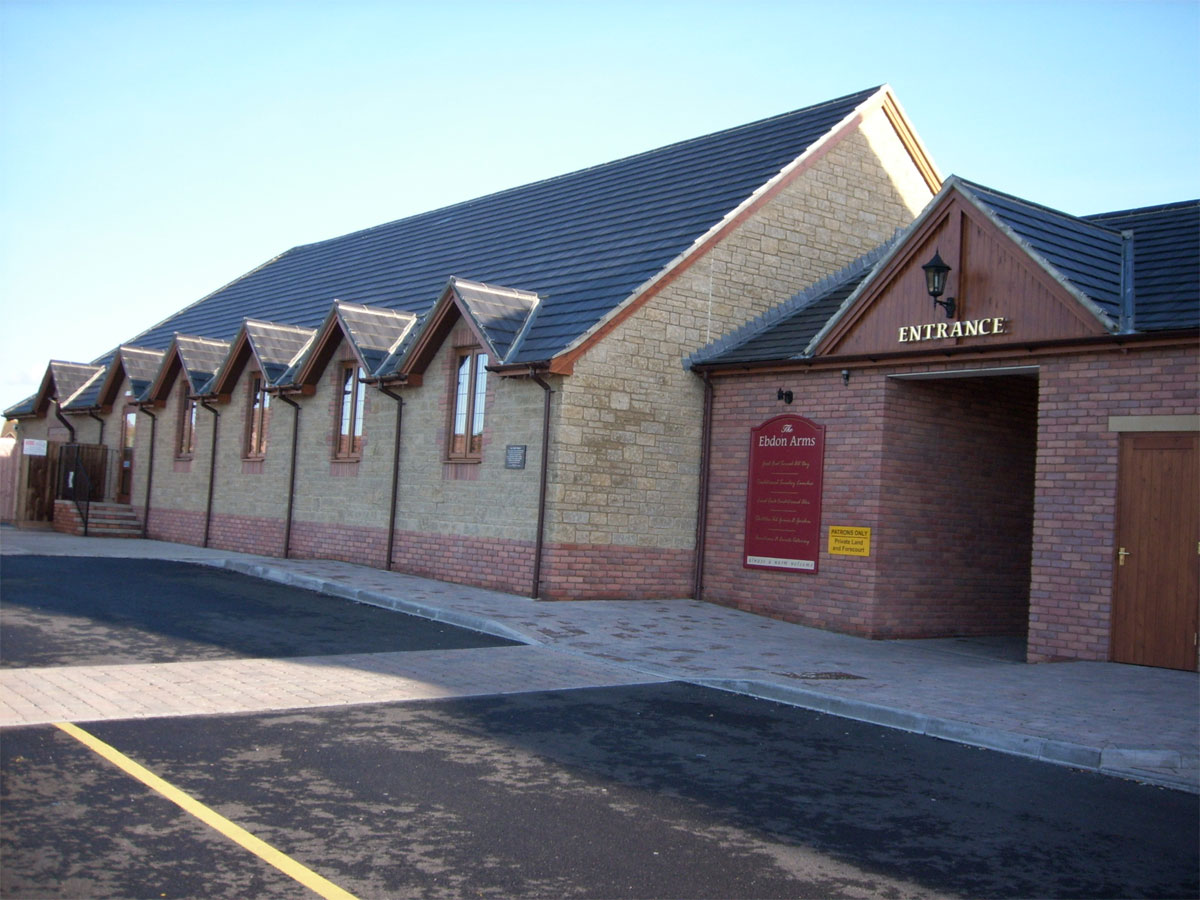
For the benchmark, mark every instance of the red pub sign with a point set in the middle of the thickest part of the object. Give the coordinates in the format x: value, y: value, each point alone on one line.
x: 783, y: 495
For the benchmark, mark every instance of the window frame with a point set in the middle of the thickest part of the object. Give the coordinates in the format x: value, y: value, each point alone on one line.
x: 349, y: 432
x: 470, y: 450
x: 258, y: 418
x: 185, y: 432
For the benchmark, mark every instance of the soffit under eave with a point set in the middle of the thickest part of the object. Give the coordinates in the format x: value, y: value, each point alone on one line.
x: 941, y: 227
x: 114, y: 377
x: 173, y: 365
x: 44, y: 394
x: 912, y: 143
x: 235, y: 361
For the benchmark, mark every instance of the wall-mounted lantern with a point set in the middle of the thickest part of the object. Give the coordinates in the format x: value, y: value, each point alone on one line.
x: 785, y: 396
x: 936, y: 271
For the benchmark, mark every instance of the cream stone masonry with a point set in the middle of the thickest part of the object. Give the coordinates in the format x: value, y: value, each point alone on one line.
x: 252, y: 487
x: 627, y: 449
x: 482, y: 499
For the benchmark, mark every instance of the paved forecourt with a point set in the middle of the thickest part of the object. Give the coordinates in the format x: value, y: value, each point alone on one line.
x: 207, y: 687
x: 86, y: 640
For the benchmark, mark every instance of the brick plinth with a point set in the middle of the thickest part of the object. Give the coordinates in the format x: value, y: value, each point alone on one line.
x: 247, y: 534
x: 181, y: 526
x: 615, y: 572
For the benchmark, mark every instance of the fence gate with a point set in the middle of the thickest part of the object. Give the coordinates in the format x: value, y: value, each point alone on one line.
x: 41, y: 475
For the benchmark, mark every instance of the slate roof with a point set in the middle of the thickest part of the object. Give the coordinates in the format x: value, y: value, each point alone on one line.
x: 69, y: 378
x: 140, y: 366
x: 1086, y: 255
x: 200, y: 360
x: 1166, y: 262
x: 62, y: 381
x: 375, y: 333
x: 500, y: 313
x: 1085, y: 252
x: 87, y: 395
x: 583, y: 242
x: 276, y: 347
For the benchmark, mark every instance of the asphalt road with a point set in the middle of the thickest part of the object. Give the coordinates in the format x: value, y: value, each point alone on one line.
x: 654, y: 791
x: 64, y: 611
x: 665, y: 790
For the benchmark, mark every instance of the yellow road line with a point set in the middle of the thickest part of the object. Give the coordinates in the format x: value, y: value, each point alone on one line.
x: 236, y: 833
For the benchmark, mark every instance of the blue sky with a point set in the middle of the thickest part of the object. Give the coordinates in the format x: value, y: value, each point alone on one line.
x: 152, y: 151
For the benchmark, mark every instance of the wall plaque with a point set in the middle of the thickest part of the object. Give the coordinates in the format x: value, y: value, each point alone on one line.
x: 783, y: 495
x: 33, y: 447
x: 514, y: 456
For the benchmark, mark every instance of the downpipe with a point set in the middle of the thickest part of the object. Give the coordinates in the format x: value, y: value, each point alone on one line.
x: 291, y: 495
x: 149, y: 471
x: 702, y: 499
x: 212, y: 469
x: 391, y: 538
x: 539, y: 541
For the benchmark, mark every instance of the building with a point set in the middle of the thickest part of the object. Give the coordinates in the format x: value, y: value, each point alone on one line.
x: 489, y: 393
x: 1011, y: 451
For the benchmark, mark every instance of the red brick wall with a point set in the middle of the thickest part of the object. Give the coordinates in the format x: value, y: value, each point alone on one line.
x: 956, y: 512
x: 496, y: 564
x: 349, y: 543
x: 944, y: 473
x: 1071, y: 590
x: 247, y: 534
x: 840, y: 595
x: 614, y: 572
x: 181, y: 526
x: 66, y: 517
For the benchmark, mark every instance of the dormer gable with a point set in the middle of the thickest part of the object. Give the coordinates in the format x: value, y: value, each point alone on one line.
x: 372, y: 332
x: 135, y: 364
x: 273, y: 348
x: 197, y: 359
x: 497, y: 316
x: 61, y: 382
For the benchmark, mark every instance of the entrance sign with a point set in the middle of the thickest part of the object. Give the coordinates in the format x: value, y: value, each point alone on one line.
x: 940, y: 331
x: 783, y: 495
x: 32, y: 447
x: 847, y: 541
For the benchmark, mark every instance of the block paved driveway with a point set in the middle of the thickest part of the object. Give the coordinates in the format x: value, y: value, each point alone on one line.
x: 500, y: 784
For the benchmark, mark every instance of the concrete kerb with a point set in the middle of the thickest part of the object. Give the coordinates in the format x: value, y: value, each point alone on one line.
x: 375, y: 598
x: 1165, y: 768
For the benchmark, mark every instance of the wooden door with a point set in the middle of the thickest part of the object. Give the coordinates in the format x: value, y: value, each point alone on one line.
x: 1156, y: 597
x: 125, y: 473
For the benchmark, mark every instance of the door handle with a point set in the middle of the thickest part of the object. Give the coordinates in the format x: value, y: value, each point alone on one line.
x: 1121, y: 554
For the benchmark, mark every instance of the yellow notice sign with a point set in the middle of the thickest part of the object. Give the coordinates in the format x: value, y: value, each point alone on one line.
x: 846, y: 541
